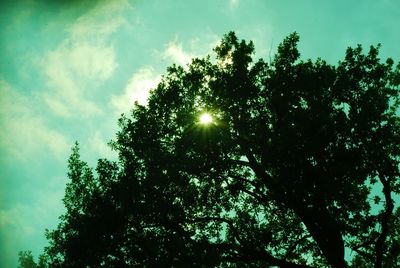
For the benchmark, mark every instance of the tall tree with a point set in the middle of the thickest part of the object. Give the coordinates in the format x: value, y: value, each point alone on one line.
x: 26, y: 260
x: 240, y: 163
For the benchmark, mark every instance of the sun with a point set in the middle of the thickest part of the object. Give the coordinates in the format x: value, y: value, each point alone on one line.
x: 206, y: 119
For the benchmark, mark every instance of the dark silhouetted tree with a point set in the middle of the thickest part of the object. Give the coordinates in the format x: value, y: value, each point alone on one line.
x: 26, y: 260
x: 299, y: 160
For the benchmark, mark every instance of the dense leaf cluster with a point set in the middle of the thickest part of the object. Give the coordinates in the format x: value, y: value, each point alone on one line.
x: 300, y: 162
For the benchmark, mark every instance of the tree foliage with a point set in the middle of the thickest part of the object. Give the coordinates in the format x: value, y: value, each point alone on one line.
x: 300, y: 161
x: 26, y: 260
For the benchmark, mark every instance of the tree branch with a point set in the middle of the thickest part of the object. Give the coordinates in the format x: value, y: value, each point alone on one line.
x: 219, y: 219
x: 265, y: 257
x: 319, y: 222
x: 295, y: 244
x: 364, y: 254
x: 247, y: 253
x: 240, y: 162
x: 259, y: 196
x: 385, y: 222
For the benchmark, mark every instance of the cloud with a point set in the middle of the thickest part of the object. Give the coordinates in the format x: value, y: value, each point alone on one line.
x: 22, y: 225
x: 12, y: 222
x: 98, y: 145
x: 90, y: 61
x: 137, y: 89
x: 197, y: 47
x: 83, y: 61
x: 71, y: 71
x: 28, y: 134
x: 101, y: 21
x: 23, y: 132
x: 233, y: 4
x: 174, y: 52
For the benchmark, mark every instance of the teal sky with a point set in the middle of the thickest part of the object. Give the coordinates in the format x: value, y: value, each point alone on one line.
x: 68, y: 69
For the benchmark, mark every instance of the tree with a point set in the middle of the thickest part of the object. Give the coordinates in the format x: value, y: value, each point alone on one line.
x: 25, y: 259
x: 296, y: 161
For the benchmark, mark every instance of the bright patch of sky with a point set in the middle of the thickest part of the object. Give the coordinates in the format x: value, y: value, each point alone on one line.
x: 68, y: 69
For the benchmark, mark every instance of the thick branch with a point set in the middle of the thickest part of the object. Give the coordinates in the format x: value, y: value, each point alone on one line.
x: 364, y: 245
x: 240, y: 162
x: 364, y: 254
x: 394, y: 253
x: 252, y: 183
x: 318, y: 221
x: 385, y: 223
x: 325, y: 232
x: 258, y: 195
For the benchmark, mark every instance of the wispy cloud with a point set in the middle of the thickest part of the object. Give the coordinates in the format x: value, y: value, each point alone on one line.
x: 174, y: 51
x: 233, y: 4
x: 71, y: 72
x: 23, y: 131
x: 23, y: 223
x: 137, y: 89
x: 97, y: 144
x: 196, y: 47
x: 83, y: 61
x: 26, y: 141
x: 100, y: 22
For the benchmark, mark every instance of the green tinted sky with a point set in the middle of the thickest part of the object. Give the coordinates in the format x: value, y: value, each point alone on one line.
x: 69, y: 68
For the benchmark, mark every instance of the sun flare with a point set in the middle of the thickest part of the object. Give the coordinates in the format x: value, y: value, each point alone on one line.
x: 206, y: 119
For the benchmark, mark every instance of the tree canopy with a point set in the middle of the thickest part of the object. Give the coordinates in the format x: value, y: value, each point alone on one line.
x: 298, y: 161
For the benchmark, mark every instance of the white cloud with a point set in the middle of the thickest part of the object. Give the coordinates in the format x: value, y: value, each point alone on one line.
x: 205, y: 44
x: 57, y: 106
x: 13, y: 228
x: 83, y: 61
x: 98, y: 145
x: 101, y: 21
x: 197, y: 47
x: 233, y: 3
x: 22, y: 225
x: 175, y: 52
x: 23, y: 132
x: 14, y: 217
x: 137, y: 89
x: 71, y: 71
x: 91, y: 61
x: 29, y: 134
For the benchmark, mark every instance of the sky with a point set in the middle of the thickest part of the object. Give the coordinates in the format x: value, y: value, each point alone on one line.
x: 69, y: 68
